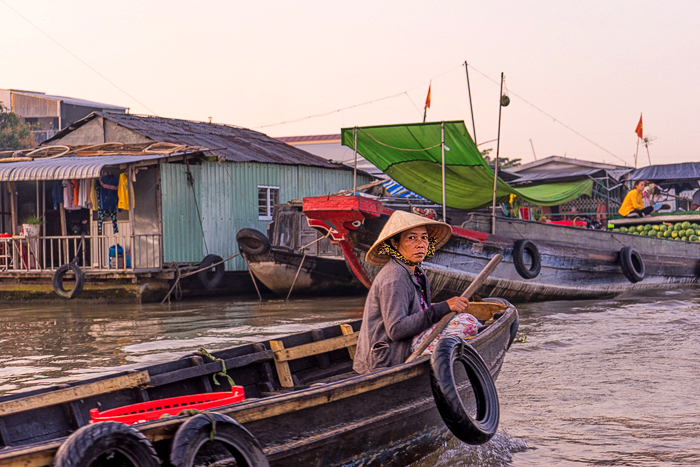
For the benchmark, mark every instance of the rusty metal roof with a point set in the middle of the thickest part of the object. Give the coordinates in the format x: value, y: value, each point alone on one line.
x: 311, y: 139
x: 235, y: 144
x: 62, y: 168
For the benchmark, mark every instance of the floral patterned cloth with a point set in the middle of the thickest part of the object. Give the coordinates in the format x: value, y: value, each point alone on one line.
x: 463, y: 325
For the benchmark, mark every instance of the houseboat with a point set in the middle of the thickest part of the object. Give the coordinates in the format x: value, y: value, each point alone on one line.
x: 178, y: 185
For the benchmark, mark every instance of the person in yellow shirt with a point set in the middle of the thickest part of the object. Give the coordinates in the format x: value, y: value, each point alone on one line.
x: 633, y: 206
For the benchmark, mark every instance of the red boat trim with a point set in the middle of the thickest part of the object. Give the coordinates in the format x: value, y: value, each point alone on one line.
x: 354, y: 264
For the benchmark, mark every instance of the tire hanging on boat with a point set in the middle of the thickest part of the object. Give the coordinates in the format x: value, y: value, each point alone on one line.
x: 632, y: 264
x: 526, y: 246
x: 105, y: 443
x: 471, y: 430
x: 58, y: 281
x: 211, y: 278
x: 252, y: 242
x: 228, y: 435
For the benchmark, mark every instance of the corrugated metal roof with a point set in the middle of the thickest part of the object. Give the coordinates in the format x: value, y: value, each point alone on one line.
x: 310, y: 139
x: 63, y: 168
x: 234, y: 143
x: 72, y: 100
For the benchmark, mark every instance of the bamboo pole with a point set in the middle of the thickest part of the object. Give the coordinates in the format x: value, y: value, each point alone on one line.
x: 495, y: 172
x: 444, y: 201
x: 471, y: 106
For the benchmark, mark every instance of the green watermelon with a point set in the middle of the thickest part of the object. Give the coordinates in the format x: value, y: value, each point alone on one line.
x: 689, y: 232
x: 663, y: 227
x: 685, y: 225
x: 684, y: 239
x: 677, y: 226
x: 667, y: 234
x: 656, y: 227
x: 647, y: 227
x: 693, y: 238
x: 624, y: 229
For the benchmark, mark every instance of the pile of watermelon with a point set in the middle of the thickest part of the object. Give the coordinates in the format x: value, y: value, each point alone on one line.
x: 680, y: 231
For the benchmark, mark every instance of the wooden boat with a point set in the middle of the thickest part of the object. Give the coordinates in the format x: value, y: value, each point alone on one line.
x: 541, y: 261
x: 296, y: 257
x: 303, y: 406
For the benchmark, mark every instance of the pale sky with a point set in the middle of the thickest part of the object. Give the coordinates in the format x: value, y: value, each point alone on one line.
x: 594, y: 65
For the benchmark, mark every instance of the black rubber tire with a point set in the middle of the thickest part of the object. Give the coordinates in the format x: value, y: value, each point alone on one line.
x: 213, y: 277
x: 466, y: 428
x: 632, y: 264
x: 252, y: 242
x: 99, y: 443
x: 522, y: 246
x: 195, y: 433
x: 58, y: 281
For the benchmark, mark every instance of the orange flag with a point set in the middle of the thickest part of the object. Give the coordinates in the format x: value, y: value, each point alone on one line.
x: 427, y: 99
x: 639, y: 131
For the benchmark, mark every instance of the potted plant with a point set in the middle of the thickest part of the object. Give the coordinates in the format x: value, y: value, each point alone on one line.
x: 32, y: 226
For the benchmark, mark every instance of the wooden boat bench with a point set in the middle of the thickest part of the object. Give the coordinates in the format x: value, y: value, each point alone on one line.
x: 282, y: 356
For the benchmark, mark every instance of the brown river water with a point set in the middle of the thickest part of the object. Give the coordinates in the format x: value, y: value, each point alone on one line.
x: 609, y: 382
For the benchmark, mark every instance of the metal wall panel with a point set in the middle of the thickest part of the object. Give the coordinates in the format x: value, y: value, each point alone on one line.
x: 227, y: 195
x: 182, y: 234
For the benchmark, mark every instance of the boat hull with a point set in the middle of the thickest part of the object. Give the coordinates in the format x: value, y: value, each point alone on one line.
x: 279, y: 269
x: 576, y: 263
x: 383, y: 418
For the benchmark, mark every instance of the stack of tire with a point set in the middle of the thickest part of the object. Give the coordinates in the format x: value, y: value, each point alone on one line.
x: 680, y: 231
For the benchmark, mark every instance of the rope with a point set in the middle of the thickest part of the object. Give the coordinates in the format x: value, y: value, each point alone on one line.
x: 204, y: 353
x: 179, y: 276
x: 190, y: 179
x: 302, y: 262
x: 211, y: 418
x: 295, y: 277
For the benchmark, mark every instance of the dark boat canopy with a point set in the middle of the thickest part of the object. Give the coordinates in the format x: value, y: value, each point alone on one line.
x: 552, y: 177
x: 670, y: 172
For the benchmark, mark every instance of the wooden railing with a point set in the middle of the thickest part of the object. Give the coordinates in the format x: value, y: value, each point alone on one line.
x: 91, y: 252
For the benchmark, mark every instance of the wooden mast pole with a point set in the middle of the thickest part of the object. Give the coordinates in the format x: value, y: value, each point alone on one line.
x: 471, y: 105
x: 354, y: 171
x: 495, y: 172
x: 444, y: 207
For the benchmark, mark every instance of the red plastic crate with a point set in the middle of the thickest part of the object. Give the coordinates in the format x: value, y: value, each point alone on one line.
x: 145, y: 411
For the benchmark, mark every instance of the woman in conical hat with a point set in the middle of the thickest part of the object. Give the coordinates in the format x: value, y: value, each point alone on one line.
x: 398, y: 306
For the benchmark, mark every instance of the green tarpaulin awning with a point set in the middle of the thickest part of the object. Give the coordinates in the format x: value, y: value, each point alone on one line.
x: 411, y: 154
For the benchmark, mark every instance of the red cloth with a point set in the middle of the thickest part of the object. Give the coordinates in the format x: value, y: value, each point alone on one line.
x: 639, y: 131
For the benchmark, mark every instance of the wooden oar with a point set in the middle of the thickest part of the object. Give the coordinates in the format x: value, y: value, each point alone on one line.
x: 471, y: 290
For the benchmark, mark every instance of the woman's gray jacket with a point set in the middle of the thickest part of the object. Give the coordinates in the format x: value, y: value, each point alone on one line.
x: 392, y: 317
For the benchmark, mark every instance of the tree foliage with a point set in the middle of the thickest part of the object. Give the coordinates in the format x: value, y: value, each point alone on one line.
x: 13, y: 133
x: 503, y: 162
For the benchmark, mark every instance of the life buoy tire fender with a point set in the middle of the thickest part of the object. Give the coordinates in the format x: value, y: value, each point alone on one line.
x: 58, y: 281
x: 632, y: 264
x: 93, y: 444
x: 195, y: 433
x: 211, y: 278
x: 252, y: 242
x: 526, y: 246
x: 469, y: 429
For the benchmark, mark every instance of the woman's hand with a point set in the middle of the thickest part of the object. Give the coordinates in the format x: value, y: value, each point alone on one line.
x: 458, y: 304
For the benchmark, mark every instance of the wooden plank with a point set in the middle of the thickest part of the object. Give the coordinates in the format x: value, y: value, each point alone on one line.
x: 347, y: 330
x: 306, y: 350
x: 323, y: 359
x: 283, y: 372
x: 484, y: 311
x: 74, y: 393
x: 209, y: 368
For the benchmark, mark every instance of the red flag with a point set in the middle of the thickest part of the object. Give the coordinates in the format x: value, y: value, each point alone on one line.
x: 639, y: 131
x: 427, y: 99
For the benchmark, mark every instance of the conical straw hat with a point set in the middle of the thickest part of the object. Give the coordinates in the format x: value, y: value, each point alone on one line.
x: 401, y: 221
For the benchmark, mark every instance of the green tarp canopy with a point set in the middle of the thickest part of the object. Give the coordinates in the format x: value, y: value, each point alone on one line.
x: 411, y: 154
